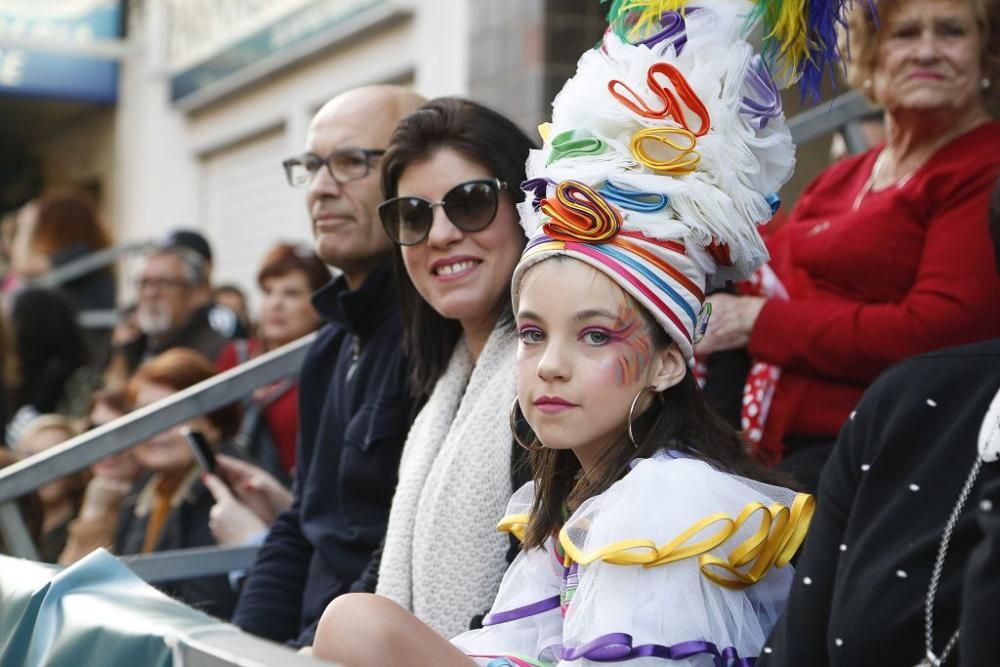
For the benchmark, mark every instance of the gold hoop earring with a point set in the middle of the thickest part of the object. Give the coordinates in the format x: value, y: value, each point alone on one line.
x: 513, y: 430
x: 631, y: 412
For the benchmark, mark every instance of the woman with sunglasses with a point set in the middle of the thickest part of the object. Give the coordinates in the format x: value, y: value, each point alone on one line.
x: 452, y: 174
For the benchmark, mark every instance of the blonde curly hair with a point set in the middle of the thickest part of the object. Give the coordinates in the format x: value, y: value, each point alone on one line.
x: 859, y: 44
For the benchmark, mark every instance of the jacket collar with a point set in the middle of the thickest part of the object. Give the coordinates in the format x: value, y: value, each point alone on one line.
x: 144, y: 501
x: 359, y: 311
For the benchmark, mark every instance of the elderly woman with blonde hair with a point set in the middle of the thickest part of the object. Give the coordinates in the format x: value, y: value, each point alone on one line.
x: 887, y: 254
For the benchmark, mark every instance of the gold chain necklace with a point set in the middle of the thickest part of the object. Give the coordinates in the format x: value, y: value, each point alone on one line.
x: 876, y: 170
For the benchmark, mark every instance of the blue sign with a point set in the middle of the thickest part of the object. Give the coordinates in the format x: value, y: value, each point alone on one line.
x: 27, y: 71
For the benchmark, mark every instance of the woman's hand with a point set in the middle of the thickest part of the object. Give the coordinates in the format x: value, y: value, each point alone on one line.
x: 232, y: 523
x: 731, y: 322
x: 102, y: 497
x: 254, y: 487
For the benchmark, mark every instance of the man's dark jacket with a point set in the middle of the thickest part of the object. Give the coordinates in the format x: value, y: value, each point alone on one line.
x: 354, y: 413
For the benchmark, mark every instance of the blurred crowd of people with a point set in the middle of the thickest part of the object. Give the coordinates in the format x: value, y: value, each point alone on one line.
x: 386, y: 463
x: 62, y: 378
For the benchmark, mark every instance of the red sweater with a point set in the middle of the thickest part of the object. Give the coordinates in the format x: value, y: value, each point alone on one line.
x: 911, y: 270
x: 282, y: 414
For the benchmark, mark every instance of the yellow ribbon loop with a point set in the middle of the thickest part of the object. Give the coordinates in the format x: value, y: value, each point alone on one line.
x: 515, y: 524
x: 579, y: 213
x: 683, y: 159
x: 777, y: 538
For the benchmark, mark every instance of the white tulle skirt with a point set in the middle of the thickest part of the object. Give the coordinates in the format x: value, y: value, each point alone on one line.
x: 677, y: 563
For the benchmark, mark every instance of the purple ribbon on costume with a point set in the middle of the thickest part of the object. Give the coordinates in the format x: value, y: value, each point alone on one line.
x: 538, y: 187
x: 522, y: 612
x: 673, y: 26
x: 765, y: 101
x: 617, y: 647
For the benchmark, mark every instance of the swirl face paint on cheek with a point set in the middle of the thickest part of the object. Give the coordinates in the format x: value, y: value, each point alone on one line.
x: 634, y: 341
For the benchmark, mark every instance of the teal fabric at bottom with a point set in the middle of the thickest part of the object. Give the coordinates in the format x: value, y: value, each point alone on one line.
x: 93, y: 613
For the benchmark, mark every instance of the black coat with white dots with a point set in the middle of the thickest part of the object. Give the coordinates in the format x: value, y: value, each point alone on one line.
x: 894, y: 476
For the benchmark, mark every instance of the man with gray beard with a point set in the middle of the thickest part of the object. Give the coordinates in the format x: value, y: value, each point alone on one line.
x: 168, y: 311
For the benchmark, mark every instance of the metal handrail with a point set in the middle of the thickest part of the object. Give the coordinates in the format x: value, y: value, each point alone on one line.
x: 180, y: 564
x: 223, y: 645
x: 121, y: 434
x: 94, y: 261
x: 829, y: 117
x: 127, y: 431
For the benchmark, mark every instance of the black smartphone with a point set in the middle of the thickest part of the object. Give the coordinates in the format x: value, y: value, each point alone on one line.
x: 201, y: 448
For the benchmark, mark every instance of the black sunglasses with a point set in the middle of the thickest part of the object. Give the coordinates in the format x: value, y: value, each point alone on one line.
x: 470, y: 206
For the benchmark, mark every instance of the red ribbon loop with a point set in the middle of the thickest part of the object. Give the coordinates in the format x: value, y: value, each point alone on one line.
x: 672, y: 107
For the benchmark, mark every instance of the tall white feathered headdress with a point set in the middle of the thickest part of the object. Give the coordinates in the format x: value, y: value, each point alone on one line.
x: 668, y: 146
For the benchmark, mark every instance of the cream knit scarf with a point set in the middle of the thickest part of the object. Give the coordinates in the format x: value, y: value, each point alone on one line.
x: 443, y: 557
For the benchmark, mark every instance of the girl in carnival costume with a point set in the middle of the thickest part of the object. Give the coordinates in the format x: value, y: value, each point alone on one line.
x: 649, y: 535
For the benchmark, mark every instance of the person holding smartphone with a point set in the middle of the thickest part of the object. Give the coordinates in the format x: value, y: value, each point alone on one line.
x: 171, y: 505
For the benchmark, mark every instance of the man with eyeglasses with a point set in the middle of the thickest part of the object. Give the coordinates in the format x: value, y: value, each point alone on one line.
x: 169, y: 311
x: 354, y: 406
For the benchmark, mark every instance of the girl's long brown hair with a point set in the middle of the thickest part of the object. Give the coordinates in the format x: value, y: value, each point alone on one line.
x: 679, y: 420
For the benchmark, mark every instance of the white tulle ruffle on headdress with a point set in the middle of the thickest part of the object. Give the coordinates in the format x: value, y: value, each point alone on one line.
x: 665, y: 152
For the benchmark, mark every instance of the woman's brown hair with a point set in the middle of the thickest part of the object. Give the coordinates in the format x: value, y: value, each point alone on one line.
x: 180, y: 368
x: 64, y: 219
x: 484, y: 137
x: 285, y: 258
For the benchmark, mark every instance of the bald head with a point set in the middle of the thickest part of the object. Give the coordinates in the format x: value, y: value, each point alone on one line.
x: 345, y: 223
x: 380, y: 105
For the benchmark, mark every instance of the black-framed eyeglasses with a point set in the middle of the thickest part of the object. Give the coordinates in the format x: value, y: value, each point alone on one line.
x: 345, y: 165
x: 470, y: 206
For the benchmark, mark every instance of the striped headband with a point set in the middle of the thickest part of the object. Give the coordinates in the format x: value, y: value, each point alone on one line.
x: 655, y: 272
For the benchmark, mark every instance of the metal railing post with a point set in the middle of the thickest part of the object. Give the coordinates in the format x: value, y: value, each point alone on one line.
x: 179, y: 564
x: 95, y: 261
x: 828, y: 117
x: 16, y: 538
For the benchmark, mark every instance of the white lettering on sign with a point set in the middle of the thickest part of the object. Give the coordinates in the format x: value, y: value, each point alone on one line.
x: 46, y: 30
x: 12, y: 67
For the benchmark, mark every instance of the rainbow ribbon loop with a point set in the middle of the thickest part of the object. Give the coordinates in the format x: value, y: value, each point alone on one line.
x: 684, y: 158
x: 572, y: 143
x: 578, y: 213
x: 671, y: 105
x: 779, y: 535
x: 765, y: 101
x: 633, y: 200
